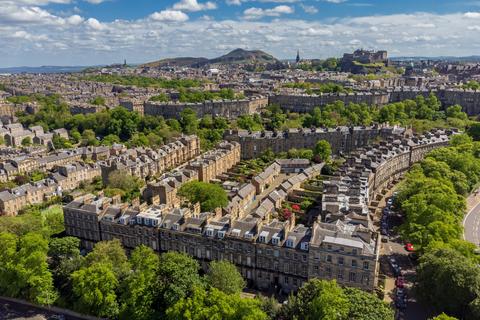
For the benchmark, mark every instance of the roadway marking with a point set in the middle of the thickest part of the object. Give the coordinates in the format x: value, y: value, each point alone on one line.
x: 474, y: 226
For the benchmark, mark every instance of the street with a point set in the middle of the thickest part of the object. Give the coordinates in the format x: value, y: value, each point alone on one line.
x: 471, y: 222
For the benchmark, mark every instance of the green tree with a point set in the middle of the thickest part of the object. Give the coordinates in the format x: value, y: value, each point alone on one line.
x: 89, y: 138
x: 307, y: 303
x: 322, y: 151
x: 178, y: 277
x: 110, y: 139
x: 63, y: 248
x: 188, y: 121
x: 24, y: 270
x: 98, y: 101
x: 94, y: 288
x: 474, y: 131
x: 138, y: 290
x: 330, y: 304
x: 225, y: 277
x: 445, y: 270
x: 27, y: 141
x: 124, y: 181
x: 110, y: 253
x: 215, y: 305
x: 209, y: 195
x: 443, y: 316
x: 367, y: 306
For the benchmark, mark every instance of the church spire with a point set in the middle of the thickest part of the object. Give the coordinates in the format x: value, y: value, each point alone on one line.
x: 298, y: 56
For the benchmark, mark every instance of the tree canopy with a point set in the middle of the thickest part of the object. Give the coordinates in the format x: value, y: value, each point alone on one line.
x: 209, y: 195
x: 225, y: 277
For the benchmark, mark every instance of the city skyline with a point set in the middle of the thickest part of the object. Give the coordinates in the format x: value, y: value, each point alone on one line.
x: 95, y: 32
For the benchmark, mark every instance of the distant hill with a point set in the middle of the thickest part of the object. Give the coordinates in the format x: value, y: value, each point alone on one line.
x: 43, y: 69
x: 234, y: 57
x: 245, y: 56
x: 177, y: 62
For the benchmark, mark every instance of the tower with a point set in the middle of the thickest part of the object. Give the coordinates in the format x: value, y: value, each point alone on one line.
x: 298, y: 56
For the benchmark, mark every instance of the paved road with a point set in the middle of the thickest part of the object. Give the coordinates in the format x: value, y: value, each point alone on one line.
x: 471, y: 225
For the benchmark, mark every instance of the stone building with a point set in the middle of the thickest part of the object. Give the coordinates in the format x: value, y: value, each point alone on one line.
x: 146, y: 162
x: 219, y: 108
x: 215, y: 162
x: 65, y: 178
x: 341, y: 139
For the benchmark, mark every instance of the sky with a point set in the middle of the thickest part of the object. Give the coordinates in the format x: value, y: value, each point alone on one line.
x: 96, y: 32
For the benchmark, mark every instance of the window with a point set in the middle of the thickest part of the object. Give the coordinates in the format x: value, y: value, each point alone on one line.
x: 354, y: 251
x: 352, y: 277
x: 354, y: 263
x: 340, y: 275
x: 366, y: 265
x: 340, y: 261
x: 276, y: 253
x: 286, y: 280
x: 328, y: 271
x: 342, y: 249
x: 290, y: 243
x: 329, y: 258
x: 329, y: 247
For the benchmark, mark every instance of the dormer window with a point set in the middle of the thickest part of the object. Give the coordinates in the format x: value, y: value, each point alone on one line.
x: 175, y: 226
x: 221, y: 234
x: 209, y: 232
x: 304, y: 246
x: 262, y: 239
x: 275, y: 240
x: 289, y: 243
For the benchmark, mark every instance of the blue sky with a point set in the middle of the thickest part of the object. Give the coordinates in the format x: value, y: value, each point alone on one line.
x: 86, y: 32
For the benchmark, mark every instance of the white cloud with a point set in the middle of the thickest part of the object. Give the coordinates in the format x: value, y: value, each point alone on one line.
x: 309, y: 9
x: 194, y: 5
x: 75, y: 19
x: 384, y: 41
x: 169, y: 16
x: 258, y: 13
x: 42, y: 37
x: 95, y: 24
x: 234, y: 2
x: 424, y: 25
x: 474, y: 15
x: 335, y: 1
x: 96, y: 1
x: 315, y: 32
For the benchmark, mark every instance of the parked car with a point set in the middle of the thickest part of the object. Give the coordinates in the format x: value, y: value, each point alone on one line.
x: 409, y: 247
x: 413, y: 256
x: 400, y: 282
x: 397, y: 270
x: 400, y: 292
x: 389, y: 202
x: 401, y: 303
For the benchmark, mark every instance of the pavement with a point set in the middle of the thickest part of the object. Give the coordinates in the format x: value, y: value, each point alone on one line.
x: 395, y: 248
x: 471, y: 222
